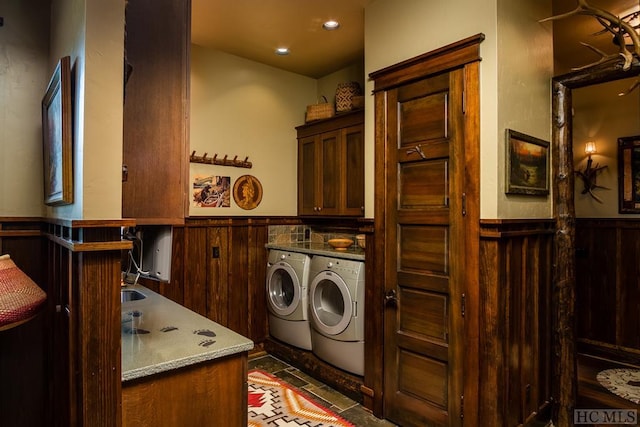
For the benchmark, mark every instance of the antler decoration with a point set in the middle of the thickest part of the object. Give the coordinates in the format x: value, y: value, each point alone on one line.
x: 619, y: 27
x: 589, y: 178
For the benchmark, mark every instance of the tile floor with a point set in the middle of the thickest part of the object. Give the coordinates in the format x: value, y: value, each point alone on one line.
x: 319, y: 392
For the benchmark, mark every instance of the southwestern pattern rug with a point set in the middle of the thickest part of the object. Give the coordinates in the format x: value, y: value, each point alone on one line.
x: 274, y: 403
x: 622, y: 382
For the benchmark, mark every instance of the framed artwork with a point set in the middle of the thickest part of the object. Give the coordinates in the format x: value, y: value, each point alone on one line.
x: 629, y: 175
x: 527, y: 164
x: 247, y: 192
x: 56, y: 137
x: 210, y: 191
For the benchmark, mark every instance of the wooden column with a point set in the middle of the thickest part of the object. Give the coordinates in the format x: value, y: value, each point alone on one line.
x: 564, y: 273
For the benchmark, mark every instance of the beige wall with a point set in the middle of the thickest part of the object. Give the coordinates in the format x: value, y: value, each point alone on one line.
x: 600, y: 115
x: 24, y: 73
x: 91, y: 32
x: 327, y: 85
x: 512, y: 94
x: 243, y: 108
x: 525, y: 69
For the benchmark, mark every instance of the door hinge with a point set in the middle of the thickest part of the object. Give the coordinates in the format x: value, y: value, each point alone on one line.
x: 462, y: 406
x: 464, y: 204
x: 464, y: 102
x: 464, y: 91
x: 464, y: 304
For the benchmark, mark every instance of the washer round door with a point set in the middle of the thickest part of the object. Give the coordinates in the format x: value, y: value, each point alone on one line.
x: 283, y: 289
x: 330, y: 302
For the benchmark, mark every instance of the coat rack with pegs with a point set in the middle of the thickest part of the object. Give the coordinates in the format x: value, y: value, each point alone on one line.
x: 225, y: 161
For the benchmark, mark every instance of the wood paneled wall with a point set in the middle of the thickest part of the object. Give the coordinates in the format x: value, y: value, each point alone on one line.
x: 218, y: 270
x: 608, y: 285
x: 83, y: 263
x: 22, y: 349
x: 515, y: 320
x: 64, y: 366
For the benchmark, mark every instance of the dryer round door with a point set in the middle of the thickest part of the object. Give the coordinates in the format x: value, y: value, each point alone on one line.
x: 283, y: 289
x: 330, y: 302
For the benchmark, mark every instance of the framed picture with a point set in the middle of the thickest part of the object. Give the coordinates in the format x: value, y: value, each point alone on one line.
x: 629, y: 175
x: 527, y: 164
x: 56, y: 137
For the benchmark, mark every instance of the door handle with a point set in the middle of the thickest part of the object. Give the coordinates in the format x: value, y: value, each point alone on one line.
x: 418, y: 150
x: 391, y: 298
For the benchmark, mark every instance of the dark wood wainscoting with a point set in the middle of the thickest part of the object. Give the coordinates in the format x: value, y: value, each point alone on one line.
x: 218, y: 270
x: 515, y: 320
x: 608, y: 288
x: 64, y: 365
x: 83, y: 263
x: 22, y: 349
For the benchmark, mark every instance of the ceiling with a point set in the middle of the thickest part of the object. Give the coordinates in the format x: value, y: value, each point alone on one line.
x: 252, y: 29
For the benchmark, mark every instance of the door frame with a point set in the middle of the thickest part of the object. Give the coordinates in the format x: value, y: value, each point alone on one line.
x: 563, y: 298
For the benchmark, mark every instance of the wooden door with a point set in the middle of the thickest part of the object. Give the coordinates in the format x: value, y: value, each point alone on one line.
x: 424, y: 252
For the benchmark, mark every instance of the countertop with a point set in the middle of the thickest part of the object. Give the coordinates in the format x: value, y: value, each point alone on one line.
x: 159, y: 335
x: 354, y: 252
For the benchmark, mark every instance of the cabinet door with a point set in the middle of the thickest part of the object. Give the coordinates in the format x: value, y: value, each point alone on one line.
x: 353, y: 167
x: 331, y: 166
x: 308, y: 170
x: 156, y: 103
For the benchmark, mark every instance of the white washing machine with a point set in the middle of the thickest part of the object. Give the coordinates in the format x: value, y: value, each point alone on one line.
x: 287, y: 297
x: 336, y: 302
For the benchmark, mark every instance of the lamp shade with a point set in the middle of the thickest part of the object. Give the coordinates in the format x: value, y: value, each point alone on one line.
x: 590, y: 148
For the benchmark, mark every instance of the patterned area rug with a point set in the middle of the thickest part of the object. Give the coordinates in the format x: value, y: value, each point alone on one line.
x: 622, y: 382
x: 274, y: 403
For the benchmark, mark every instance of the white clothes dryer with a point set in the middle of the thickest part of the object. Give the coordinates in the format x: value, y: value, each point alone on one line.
x: 287, y: 297
x: 336, y: 302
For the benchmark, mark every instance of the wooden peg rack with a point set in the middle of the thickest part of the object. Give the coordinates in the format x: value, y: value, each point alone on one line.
x: 225, y: 161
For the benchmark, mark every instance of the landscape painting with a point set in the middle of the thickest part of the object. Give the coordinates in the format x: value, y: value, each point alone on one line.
x: 527, y: 164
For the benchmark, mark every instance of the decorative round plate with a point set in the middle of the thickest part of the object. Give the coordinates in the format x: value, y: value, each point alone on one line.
x: 247, y: 192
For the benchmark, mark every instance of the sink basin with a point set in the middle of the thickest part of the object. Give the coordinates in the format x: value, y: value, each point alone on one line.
x: 130, y: 295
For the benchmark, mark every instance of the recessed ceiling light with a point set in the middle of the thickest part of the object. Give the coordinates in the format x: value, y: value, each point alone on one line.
x: 282, y: 51
x: 331, y: 25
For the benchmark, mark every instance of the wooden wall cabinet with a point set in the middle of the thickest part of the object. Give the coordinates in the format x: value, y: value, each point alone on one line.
x: 156, y: 102
x: 331, y: 166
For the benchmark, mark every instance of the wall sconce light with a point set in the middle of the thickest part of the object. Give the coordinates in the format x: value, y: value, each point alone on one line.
x: 590, y: 172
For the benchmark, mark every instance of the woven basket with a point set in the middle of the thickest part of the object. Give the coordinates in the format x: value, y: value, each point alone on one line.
x: 321, y: 110
x: 20, y: 297
x: 344, y: 95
